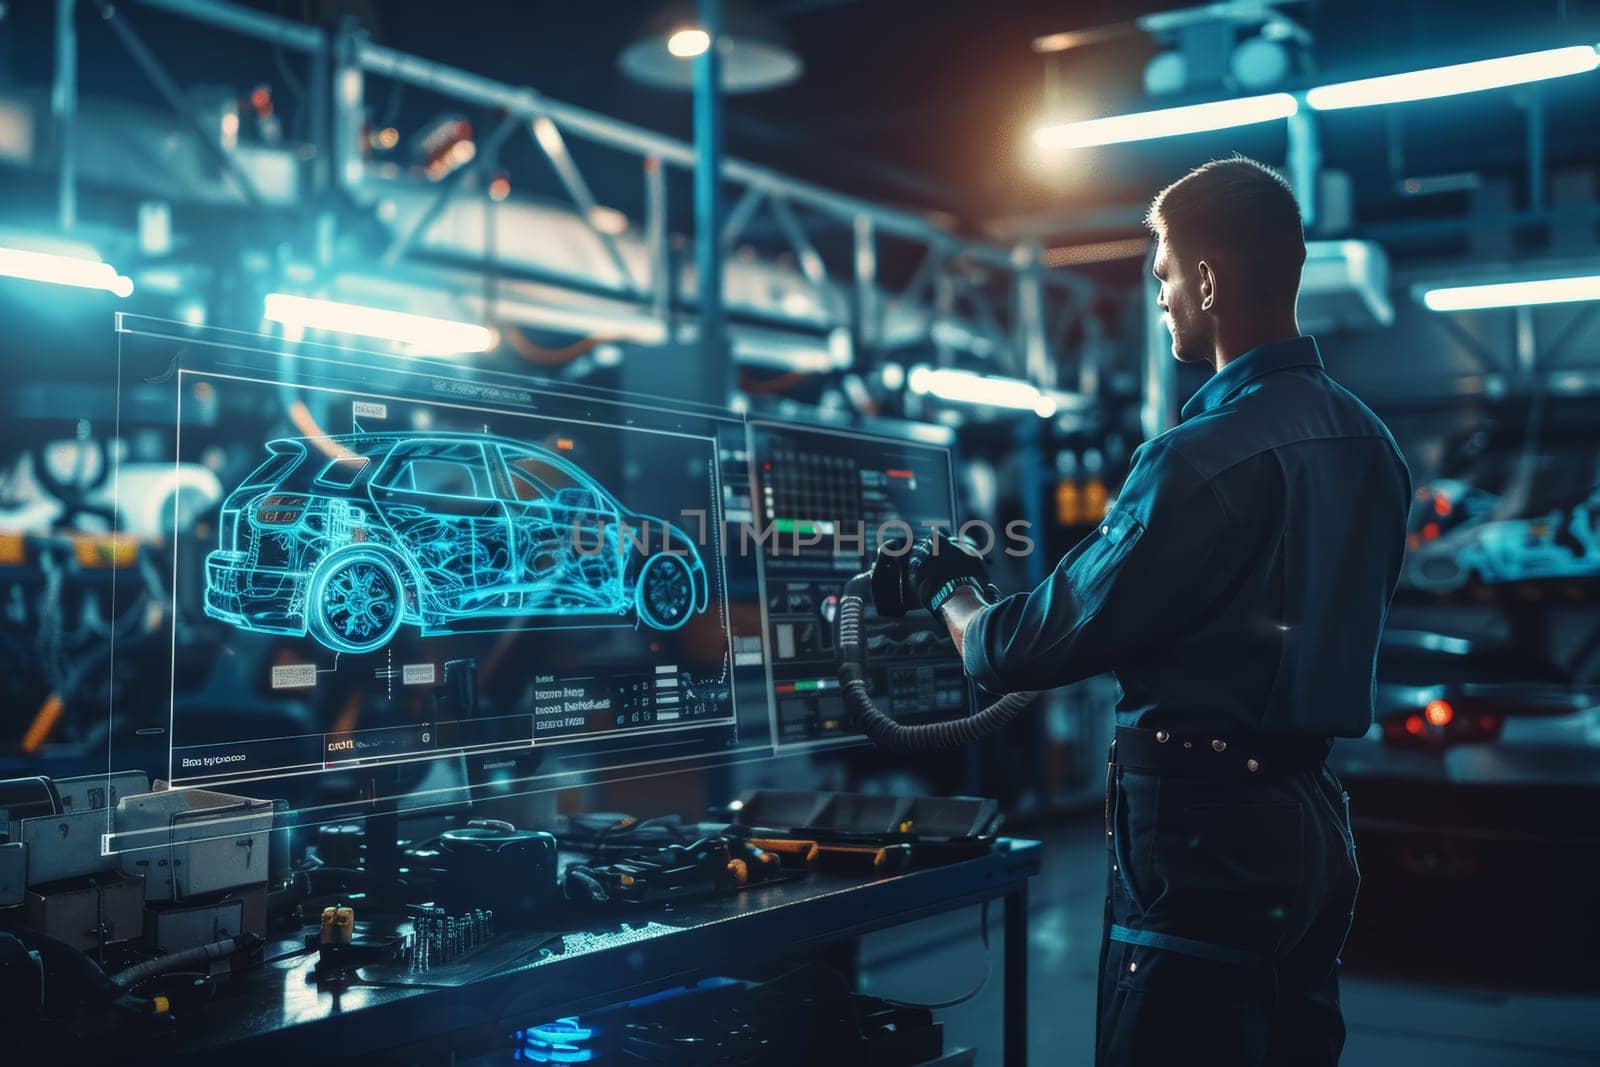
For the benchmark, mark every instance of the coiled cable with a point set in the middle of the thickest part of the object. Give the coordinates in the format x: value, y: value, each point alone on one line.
x: 885, y: 731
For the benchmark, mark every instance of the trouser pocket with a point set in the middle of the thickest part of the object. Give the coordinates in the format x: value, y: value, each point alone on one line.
x: 1214, y: 861
x: 1132, y: 821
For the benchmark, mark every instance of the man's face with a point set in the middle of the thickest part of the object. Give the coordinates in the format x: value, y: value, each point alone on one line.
x: 1184, y: 298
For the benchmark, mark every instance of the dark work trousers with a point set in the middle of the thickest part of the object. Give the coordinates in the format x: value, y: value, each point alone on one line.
x: 1228, y: 905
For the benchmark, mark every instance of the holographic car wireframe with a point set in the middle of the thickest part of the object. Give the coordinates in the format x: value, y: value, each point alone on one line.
x: 350, y: 537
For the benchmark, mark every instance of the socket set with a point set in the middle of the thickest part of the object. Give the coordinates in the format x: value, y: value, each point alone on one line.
x: 439, y: 939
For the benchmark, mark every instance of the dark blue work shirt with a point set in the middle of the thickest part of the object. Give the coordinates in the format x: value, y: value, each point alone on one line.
x: 1242, y: 578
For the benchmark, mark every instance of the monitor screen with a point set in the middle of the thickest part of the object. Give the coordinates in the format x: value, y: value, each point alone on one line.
x: 823, y: 501
x: 410, y: 561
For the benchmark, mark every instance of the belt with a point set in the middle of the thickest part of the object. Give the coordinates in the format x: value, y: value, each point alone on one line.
x: 1193, y: 755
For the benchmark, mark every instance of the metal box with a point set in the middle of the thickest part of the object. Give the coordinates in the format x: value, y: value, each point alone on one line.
x: 109, y: 908
x: 65, y: 846
x: 13, y: 873
x: 69, y: 845
x: 174, y: 927
x: 95, y: 791
x: 200, y: 841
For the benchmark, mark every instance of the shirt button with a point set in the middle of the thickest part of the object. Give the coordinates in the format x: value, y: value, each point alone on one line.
x: 1219, y: 746
x: 1105, y: 529
x: 1134, y: 966
x: 1162, y: 736
x: 1254, y: 765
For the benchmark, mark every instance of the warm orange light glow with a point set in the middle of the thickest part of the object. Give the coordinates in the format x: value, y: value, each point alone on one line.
x: 1439, y: 712
x: 44, y: 721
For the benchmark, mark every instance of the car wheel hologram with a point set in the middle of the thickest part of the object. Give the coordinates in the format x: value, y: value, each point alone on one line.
x: 356, y: 601
x: 665, y: 594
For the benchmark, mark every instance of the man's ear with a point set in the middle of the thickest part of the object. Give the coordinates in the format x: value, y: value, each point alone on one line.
x: 1208, y: 286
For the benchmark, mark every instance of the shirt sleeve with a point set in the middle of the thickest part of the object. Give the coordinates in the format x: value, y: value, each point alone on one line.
x: 1143, y: 577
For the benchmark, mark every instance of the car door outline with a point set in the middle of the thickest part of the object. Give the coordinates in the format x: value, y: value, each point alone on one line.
x: 458, y: 543
x: 568, y: 552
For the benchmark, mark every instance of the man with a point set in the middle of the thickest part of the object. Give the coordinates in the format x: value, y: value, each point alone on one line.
x: 1237, y: 589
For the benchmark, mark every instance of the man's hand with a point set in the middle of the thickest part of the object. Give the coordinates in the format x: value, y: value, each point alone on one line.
x: 940, y: 565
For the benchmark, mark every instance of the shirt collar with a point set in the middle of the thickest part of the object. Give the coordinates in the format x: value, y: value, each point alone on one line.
x: 1263, y: 359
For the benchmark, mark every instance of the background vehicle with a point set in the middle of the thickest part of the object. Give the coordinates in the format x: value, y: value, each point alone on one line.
x: 1509, y: 510
x: 1479, y: 752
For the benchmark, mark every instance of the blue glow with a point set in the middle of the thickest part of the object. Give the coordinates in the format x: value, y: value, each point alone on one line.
x: 350, y: 537
x: 557, y: 1042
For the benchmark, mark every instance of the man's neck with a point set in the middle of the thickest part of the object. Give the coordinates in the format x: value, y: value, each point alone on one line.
x: 1230, y: 347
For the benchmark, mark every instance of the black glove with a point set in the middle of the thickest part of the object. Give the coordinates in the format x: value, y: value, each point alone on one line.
x: 941, y: 564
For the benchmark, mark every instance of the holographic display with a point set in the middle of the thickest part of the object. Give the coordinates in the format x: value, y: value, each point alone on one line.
x: 418, y: 568
x: 823, y: 500
x: 348, y: 538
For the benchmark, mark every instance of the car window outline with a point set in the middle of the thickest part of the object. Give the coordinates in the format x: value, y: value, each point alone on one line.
x: 358, y: 463
x: 395, y: 474
x: 542, y: 493
x: 573, y: 473
x: 474, y: 493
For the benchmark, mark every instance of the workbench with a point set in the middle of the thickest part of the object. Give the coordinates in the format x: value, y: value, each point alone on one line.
x: 276, y: 1012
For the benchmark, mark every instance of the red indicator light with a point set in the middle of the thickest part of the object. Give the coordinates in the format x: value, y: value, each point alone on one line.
x: 1441, y: 505
x: 1430, y: 531
x: 900, y: 474
x: 1487, y: 723
x: 564, y: 444
x: 1414, y: 724
x: 1439, y: 713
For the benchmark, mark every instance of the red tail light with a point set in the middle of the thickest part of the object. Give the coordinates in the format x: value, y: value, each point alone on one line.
x: 1438, y: 725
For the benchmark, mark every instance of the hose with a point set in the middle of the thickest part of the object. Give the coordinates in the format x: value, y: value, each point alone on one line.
x: 884, y: 731
x: 178, y: 961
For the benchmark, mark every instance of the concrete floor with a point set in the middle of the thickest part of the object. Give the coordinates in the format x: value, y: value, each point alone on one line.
x: 1485, y: 984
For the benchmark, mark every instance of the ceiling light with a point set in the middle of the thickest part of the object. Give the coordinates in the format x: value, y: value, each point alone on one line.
x: 755, y: 54
x: 1168, y: 122
x: 1452, y: 80
x: 965, y: 387
x: 1513, y: 294
x: 63, y: 270
x: 438, y: 336
x: 687, y: 43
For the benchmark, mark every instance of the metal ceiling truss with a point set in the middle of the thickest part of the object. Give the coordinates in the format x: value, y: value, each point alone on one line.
x: 340, y: 61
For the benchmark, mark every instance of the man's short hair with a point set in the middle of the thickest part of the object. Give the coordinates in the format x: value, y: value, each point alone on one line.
x: 1237, y: 208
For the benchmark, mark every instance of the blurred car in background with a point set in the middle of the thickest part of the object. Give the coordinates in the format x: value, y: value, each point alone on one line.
x: 1510, y: 509
x: 1478, y: 752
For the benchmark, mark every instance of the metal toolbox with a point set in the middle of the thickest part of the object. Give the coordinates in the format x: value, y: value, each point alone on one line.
x: 108, y: 907
x: 69, y: 844
x: 175, y: 927
x: 199, y: 841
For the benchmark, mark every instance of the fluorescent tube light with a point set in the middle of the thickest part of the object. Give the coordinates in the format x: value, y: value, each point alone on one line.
x: 1459, y: 78
x: 1513, y: 294
x: 437, y: 336
x: 1169, y: 122
x: 63, y: 270
x: 964, y: 387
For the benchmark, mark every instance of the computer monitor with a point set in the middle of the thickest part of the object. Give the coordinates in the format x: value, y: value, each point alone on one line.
x: 824, y: 498
x: 412, y: 561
